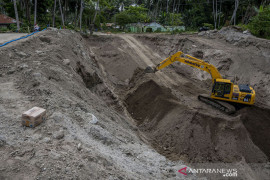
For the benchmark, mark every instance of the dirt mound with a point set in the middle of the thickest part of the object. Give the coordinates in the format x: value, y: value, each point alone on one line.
x: 150, y: 101
x: 233, y: 34
x: 83, y: 136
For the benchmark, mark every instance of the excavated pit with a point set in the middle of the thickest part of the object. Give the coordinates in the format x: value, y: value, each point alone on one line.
x: 181, y: 133
x: 150, y: 101
x: 256, y: 121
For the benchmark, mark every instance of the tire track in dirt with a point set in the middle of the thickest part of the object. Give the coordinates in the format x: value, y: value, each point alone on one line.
x: 144, y: 48
x: 145, y: 55
x: 137, y: 47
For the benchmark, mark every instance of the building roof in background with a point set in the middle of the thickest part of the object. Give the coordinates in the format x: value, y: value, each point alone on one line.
x: 6, y: 19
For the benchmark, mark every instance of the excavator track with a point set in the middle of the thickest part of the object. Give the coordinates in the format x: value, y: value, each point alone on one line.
x: 222, y: 106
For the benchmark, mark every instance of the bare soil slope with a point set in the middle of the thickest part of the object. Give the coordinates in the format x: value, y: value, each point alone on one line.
x: 83, y: 137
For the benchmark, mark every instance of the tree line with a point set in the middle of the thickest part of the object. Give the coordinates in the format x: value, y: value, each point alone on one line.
x: 90, y: 14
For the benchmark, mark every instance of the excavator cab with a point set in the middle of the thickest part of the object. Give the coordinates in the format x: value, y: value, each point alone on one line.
x: 222, y: 88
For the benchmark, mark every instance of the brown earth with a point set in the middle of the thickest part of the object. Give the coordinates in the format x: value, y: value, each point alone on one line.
x: 148, y: 124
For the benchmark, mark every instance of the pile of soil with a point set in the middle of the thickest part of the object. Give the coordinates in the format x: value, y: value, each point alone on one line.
x: 150, y: 101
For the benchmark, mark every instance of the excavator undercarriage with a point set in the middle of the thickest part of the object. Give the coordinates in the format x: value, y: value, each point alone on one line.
x: 220, y: 105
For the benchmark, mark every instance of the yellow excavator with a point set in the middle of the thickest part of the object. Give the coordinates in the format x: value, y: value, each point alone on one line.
x: 224, y: 93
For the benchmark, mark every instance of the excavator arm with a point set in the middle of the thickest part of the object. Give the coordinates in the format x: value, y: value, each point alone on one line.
x: 191, y: 61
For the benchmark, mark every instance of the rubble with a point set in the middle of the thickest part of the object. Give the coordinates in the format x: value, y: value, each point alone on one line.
x: 59, y: 135
x: 79, y: 146
x: 66, y: 61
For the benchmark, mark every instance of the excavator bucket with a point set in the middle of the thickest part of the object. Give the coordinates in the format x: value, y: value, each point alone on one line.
x: 149, y: 69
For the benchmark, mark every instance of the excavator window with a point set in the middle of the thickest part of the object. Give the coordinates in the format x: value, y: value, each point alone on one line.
x: 217, y: 86
x: 221, y: 88
x: 227, y: 89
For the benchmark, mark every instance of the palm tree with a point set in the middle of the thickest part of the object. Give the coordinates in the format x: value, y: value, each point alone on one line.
x: 54, y: 12
x: 35, y: 13
x: 16, y: 14
x: 63, y: 22
x: 27, y: 10
x: 94, y: 19
x: 233, y: 19
x: 81, y: 11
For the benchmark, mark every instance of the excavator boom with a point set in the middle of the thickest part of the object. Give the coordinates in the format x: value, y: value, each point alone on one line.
x: 191, y: 61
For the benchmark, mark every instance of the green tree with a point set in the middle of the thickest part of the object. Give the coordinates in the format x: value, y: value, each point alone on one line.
x: 171, y: 19
x: 132, y: 14
x: 197, y: 14
x: 260, y: 24
x: 122, y: 18
x: 137, y: 13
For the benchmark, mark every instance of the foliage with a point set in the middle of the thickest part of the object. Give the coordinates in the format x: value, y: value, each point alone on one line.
x: 243, y: 26
x: 260, y: 24
x: 175, y: 19
x: 210, y: 26
x: 190, y: 13
x: 177, y: 31
x: 122, y: 18
x: 3, y: 29
x: 171, y: 19
x: 132, y: 14
x: 197, y: 15
x: 13, y: 27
